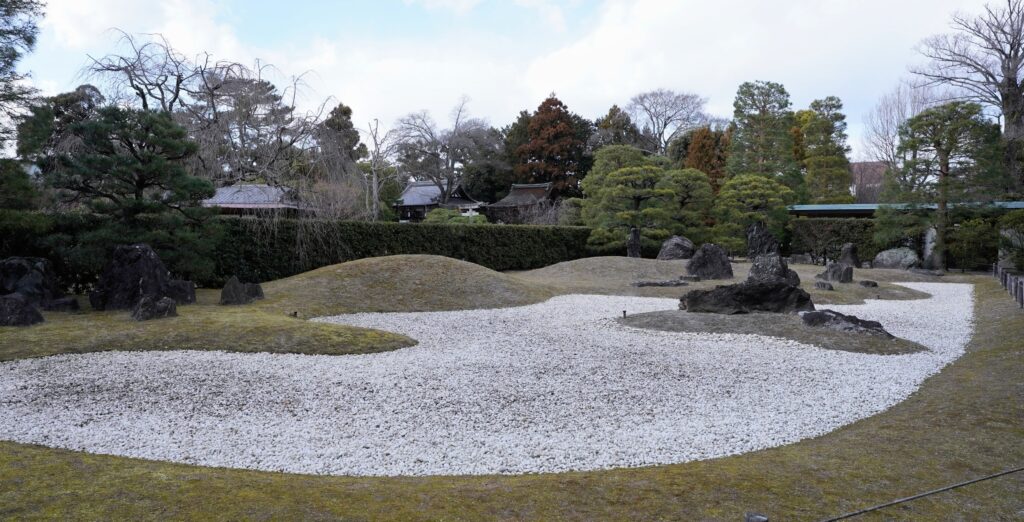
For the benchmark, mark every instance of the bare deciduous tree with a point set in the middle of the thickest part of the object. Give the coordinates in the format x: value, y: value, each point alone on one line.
x: 983, y: 58
x: 666, y: 115
x: 881, y: 138
x: 383, y: 146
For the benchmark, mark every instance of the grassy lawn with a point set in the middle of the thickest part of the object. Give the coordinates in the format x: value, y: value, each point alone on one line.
x: 965, y: 422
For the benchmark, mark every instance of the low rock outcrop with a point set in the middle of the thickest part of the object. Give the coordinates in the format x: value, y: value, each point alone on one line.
x: 841, y: 322
x: 837, y: 273
x: 134, y: 271
x: 901, y: 258
x: 16, y: 310
x: 822, y: 285
x: 742, y: 298
x: 32, y: 277
x: 234, y: 293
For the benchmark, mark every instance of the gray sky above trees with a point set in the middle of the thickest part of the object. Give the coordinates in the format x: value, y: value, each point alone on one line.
x: 389, y: 58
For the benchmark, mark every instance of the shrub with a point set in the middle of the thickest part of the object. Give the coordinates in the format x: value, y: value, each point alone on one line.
x: 824, y: 237
x: 444, y: 215
x: 1011, y: 238
x: 973, y: 243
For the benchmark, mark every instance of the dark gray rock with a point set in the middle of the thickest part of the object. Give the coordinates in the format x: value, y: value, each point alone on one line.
x: 848, y: 255
x: 844, y: 323
x: 254, y: 290
x: 690, y: 278
x: 633, y: 242
x: 676, y: 247
x: 16, y: 310
x: 869, y: 284
x: 837, y: 272
x: 149, y: 308
x: 768, y: 268
x: 183, y: 292
x: 63, y: 304
x: 710, y: 261
x: 742, y: 298
x: 669, y: 283
x: 32, y: 277
x: 801, y: 259
x: 134, y: 271
x: 901, y: 258
x: 761, y: 242
x: 822, y: 285
x: 234, y: 293
x: 866, y: 265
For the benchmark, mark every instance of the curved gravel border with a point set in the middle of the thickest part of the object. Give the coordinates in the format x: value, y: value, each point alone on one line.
x: 550, y: 387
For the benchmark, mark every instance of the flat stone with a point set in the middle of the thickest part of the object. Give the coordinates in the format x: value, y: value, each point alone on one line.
x: 669, y: 283
x: 822, y: 285
x: 841, y: 322
x: 869, y: 284
x: 925, y: 272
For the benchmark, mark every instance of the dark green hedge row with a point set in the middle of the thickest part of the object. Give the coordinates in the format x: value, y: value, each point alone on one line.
x: 259, y: 250
x: 265, y: 251
x: 824, y: 237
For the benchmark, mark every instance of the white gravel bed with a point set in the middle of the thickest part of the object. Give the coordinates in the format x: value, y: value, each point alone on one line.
x: 550, y: 387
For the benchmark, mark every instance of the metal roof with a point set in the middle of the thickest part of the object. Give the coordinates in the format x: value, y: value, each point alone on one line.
x: 870, y: 208
x: 524, y: 195
x: 251, y: 196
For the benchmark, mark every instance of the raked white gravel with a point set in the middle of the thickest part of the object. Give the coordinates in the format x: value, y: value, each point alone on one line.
x: 550, y: 387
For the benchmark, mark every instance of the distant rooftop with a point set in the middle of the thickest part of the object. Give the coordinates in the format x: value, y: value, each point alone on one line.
x: 427, y: 193
x: 524, y: 195
x: 868, y: 209
x: 252, y: 196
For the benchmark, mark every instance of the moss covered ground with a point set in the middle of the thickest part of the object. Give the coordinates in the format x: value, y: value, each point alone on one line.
x: 965, y: 422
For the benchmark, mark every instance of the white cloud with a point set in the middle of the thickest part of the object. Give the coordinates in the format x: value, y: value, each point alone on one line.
x: 456, y: 6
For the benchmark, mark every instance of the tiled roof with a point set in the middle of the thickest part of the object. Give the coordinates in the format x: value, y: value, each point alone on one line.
x: 524, y: 195
x: 251, y: 196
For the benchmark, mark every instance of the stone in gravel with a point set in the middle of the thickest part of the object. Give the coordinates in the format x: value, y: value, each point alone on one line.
x: 869, y: 284
x: 183, y: 292
x: 134, y: 271
x: 633, y: 242
x: 841, y: 322
x: 16, y: 310
x: 822, y: 285
x: 234, y: 293
x: 669, y: 283
x: 768, y: 268
x: 761, y: 242
x: 837, y: 272
x: 848, y: 255
x: 151, y: 308
x: 742, y: 298
x: 254, y: 291
x: 32, y: 277
x: 901, y: 258
x: 676, y: 247
x: 64, y: 304
x: 710, y: 262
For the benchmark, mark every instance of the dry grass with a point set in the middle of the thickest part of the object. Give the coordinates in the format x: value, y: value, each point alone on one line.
x: 965, y: 422
x: 785, y: 326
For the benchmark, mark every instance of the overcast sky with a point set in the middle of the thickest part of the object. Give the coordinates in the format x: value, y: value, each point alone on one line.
x: 386, y: 58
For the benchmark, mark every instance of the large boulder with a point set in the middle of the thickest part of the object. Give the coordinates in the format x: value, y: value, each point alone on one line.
x: 134, y: 271
x: 848, y: 255
x: 710, y: 261
x: 833, y: 320
x: 676, y: 247
x: 153, y: 308
x: 16, y: 310
x: 633, y: 242
x: 183, y: 292
x: 837, y: 272
x: 254, y: 290
x: 768, y: 268
x: 777, y: 297
x: 901, y: 258
x: 761, y: 242
x: 234, y: 293
x: 32, y: 277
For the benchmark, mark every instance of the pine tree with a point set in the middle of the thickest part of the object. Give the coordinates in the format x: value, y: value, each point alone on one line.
x: 762, y: 143
x: 825, y: 149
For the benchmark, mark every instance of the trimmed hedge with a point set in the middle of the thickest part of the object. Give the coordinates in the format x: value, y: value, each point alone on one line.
x: 824, y: 237
x: 258, y: 250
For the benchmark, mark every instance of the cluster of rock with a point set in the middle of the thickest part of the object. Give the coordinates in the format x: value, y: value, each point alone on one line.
x: 136, y: 279
x: 771, y: 286
x: 236, y: 292
x: 841, y: 270
x: 833, y: 320
x: 26, y: 285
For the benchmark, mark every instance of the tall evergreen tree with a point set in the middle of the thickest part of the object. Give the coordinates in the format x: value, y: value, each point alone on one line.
x: 825, y: 150
x: 708, y: 152
x: 762, y: 143
x: 616, y: 128
x: 18, y: 32
x: 556, y: 148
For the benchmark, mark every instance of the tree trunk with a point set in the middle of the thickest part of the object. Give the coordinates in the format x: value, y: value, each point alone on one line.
x: 939, y: 255
x: 1012, y: 96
